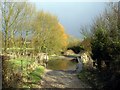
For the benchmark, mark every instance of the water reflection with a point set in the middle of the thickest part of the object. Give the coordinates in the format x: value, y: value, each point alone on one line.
x: 59, y: 64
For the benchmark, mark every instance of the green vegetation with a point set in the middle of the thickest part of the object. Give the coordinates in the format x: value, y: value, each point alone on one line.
x: 49, y: 35
x: 33, y: 35
x: 41, y: 31
x: 74, y: 44
x: 24, y: 61
x: 35, y: 75
x: 104, y: 42
x: 27, y: 35
x: 21, y: 71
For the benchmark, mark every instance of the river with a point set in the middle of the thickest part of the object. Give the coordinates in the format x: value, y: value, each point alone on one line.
x: 61, y: 64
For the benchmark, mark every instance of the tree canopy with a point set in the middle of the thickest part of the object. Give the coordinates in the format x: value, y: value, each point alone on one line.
x: 25, y: 27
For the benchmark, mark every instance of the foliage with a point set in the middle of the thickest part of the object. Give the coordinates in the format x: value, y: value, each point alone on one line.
x: 105, y: 41
x: 105, y: 46
x: 74, y: 44
x: 49, y: 35
x: 86, y: 43
x: 16, y: 73
x: 95, y: 79
x: 15, y: 20
x: 35, y: 75
x: 100, y: 80
x: 76, y: 49
x: 26, y: 30
x: 22, y: 25
x: 104, y: 37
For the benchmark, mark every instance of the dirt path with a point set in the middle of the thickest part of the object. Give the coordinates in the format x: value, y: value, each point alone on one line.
x: 61, y: 79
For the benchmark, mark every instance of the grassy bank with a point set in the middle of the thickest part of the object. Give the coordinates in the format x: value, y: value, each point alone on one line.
x: 22, y: 73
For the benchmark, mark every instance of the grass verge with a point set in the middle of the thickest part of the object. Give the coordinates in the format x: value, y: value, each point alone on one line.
x: 18, y: 68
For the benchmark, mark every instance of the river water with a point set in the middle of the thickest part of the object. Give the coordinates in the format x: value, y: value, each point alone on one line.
x: 61, y: 64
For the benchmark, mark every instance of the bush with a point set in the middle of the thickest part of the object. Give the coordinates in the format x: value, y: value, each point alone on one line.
x: 105, y: 47
x: 16, y: 72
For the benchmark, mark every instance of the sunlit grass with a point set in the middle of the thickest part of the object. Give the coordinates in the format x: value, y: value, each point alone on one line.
x: 35, y: 75
x: 21, y: 65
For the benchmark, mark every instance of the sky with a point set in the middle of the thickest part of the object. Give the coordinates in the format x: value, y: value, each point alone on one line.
x: 73, y: 15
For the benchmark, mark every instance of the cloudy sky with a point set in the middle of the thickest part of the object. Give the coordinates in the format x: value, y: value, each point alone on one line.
x: 73, y: 15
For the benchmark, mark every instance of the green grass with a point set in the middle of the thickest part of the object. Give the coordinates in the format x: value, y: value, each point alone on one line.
x: 16, y: 63
x: 35, y: 75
